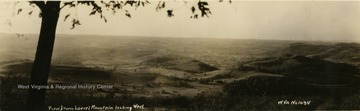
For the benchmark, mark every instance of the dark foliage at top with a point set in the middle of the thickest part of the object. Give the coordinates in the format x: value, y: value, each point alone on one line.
x: 98, y: 7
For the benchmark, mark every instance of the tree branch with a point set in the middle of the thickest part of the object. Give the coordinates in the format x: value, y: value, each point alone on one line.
x: 71, y: 4
x: 40, y: 4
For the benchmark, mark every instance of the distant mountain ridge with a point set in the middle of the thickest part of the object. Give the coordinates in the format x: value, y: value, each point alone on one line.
x: 309, y: 69
x: 181, y: 64
x: 341, y: 52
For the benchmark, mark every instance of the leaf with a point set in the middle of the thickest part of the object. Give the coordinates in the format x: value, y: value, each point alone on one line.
x: 131, y: 2
x: 66, y: 16
x: 128, y: 14
x: 170, y: 13
x: 158, y: 7
x: 163, y: 5
x: 138, y: 4
x: 92, y: 13
x: 204, y: 10
x: 19, y: 11
x: 117, y: 6
x: 30, y: 13
x: 69, y: 3
x: 75, y: 22
x: 107, y: 5
x: 193, y: 9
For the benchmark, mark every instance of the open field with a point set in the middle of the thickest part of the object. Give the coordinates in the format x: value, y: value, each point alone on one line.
x: 189, y: 73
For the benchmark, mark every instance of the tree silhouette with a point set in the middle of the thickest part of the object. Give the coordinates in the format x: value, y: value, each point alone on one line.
x: 49, y: 14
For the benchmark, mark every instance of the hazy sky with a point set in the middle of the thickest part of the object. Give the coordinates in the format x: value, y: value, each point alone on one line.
x: 285, y: 20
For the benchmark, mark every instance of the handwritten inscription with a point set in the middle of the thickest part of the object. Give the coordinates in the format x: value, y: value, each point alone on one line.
x: 94, y: 107
x: 293, y: 102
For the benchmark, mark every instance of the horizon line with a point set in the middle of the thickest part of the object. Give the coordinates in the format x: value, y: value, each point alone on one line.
x: 228, y: 38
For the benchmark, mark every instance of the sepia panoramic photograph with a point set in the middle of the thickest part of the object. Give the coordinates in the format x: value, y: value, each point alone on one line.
x: 179, y: 55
